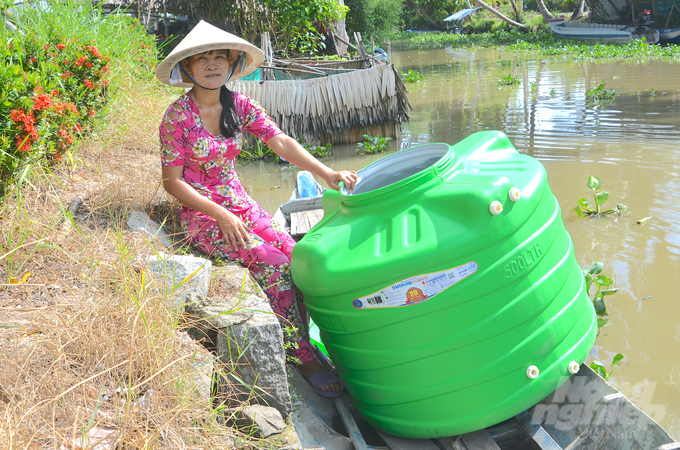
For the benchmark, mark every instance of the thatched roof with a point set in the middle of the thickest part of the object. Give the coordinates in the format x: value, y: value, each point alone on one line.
x: 330, y: 105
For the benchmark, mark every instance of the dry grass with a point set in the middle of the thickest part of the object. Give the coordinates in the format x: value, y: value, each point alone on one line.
x: 85, y: 348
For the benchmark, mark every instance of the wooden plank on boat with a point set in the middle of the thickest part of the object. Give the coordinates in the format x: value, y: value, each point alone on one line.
x: 350, y: 425
x: 313, y: 432
x: 400, y: 443
x: 537, y: 432
x: 303, y: 221
x: 479, y: 440
x: 301, y: 204
x: 450, y: 443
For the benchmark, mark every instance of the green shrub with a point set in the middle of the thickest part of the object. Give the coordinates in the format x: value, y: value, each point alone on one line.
x: 536, y: 24
x: 501, y: 25
x: 55, y: 72
x: 482, y: 25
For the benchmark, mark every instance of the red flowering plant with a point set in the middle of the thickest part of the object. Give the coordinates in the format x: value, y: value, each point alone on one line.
x: 49, y: 92
x: 55, y: 71
x: 79, y: 71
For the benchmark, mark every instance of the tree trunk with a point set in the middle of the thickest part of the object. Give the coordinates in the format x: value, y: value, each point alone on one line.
x: 547, y: 15
x: 338, y: 27
x: 432, y: 22
x: 579, y: 11
x: 499, y: 15
x: 514, y: 7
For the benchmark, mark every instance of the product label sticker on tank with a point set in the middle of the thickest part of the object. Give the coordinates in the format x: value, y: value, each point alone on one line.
x: 415, y: 289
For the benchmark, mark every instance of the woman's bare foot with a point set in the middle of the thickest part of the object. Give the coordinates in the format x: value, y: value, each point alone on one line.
x: 310, y: 368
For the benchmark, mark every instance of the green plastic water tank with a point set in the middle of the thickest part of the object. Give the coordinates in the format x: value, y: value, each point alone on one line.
x: 446, y: 289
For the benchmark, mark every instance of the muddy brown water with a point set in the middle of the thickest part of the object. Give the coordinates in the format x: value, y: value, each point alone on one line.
x: 632, y: 143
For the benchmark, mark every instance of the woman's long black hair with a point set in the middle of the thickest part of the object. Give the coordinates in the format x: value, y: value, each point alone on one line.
x: 230, y: 122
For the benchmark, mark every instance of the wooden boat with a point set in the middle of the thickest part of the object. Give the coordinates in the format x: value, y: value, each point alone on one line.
x: 304, y: 209
x: 585, y: 413
x: 602, y: 32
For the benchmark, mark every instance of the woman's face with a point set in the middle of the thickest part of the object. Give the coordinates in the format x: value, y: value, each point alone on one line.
x: 209, y: 69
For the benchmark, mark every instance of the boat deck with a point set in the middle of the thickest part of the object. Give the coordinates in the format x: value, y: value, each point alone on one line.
x: 586, y: 413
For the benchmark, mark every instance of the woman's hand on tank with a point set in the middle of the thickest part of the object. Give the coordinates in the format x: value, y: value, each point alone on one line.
x: 234, y: 231
x: 349, y: 177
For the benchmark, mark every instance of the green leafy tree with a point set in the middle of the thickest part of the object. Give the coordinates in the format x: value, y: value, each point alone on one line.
x: 430, y: 14
x: 297, y: 26
x: 375, y: 18
x: 303, y: 23
x: 294, y: 25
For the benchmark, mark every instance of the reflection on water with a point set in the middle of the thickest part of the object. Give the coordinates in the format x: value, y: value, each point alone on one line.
x: 632, y: 143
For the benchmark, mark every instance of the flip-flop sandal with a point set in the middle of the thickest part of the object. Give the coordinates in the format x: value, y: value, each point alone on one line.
x: 321, y: 378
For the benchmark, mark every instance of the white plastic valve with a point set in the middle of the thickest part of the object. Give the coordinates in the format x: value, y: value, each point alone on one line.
x: 574, y: 367
x: 496, y: 207
x: 532, y: 372
x: 514, y: 194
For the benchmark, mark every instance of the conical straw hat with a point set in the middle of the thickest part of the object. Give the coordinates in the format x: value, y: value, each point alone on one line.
x: 205, y: 37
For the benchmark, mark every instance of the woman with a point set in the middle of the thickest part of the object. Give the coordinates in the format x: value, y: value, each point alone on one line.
x: 201, y: 135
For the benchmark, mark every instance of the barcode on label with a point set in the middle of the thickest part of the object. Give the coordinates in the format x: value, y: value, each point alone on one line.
x: 374, y: 300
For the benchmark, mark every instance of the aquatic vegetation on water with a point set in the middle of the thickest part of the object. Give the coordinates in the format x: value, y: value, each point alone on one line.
x: 508, y: 80
x: 588, y: 50
x: 373, y: 144
x: 601, y: 93
x: 257, y: 151
x: 601, y: 370
x: 583, y: 208
x: 501, y: 37
x: 593, y: 276
x: 411, y: 76
x: 545, y: 43
x: 262, y: 151
x: 317, y: 151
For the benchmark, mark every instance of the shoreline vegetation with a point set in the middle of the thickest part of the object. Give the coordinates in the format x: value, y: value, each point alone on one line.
x: 543, y: 42
x: 82, y: 340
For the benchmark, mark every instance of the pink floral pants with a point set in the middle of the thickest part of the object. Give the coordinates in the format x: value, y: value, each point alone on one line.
x: 267, y: 257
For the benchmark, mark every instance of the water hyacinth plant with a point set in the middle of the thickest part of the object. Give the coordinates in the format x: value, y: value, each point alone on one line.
x: 509, y: 80
x: 411, y: 76
x: 584, y: 209
x: 593, y: 277
x: 601, y: 93
x: 545, y: 43
x: 373, y: 144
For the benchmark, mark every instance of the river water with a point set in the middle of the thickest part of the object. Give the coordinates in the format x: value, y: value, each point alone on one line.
x: 632, y: 143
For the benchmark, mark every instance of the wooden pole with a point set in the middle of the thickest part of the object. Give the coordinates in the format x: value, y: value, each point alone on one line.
x: 306, y: 67
x: 351, y: 46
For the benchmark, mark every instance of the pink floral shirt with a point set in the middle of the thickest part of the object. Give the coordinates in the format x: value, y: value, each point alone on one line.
x: 209, y: 160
